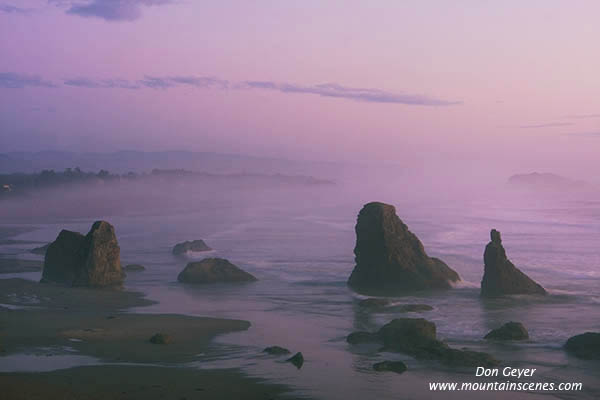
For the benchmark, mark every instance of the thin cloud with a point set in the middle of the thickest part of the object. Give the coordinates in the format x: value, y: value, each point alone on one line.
x: 548, y: 125
x: 112, y: 10
x: 153, y: 82
x: 101, y: 84
x: 357, y: 94
x: 9, y: 9
x: 203, y: 81
x: 11, y: 80
x: 333, y: 90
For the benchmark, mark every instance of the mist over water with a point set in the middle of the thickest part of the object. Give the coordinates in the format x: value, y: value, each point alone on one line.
x: 298, y: 241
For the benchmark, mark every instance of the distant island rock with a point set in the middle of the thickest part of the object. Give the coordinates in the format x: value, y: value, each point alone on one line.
x: 586, y: 345
x: 213, y: 270
x: 193, y: 245
x: 500, y: 276
x: 417, y: 337
x: 92, y: 260
x: 509, y: 331
x: 544, y: 180
x: 390, y: 259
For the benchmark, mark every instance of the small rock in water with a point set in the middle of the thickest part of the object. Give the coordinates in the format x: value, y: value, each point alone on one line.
x: 297, y: 359
x: 213, y: 270
x: 195, y: 245
x: 276, y: 350
x: 586, y: 345
x: 509, y: 331
x: 134, y: 267
x: 161, y: 338
x: 417, y: 337
x: 392, y: 366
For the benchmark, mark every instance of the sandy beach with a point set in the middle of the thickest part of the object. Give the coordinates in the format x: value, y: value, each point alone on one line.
x: 91, y: 321
x: 35, y: 317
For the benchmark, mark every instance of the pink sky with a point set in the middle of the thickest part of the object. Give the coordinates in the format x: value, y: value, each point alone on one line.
x: 520, y: 78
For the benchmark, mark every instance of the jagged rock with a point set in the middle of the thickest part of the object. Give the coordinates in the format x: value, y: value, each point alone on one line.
x: 161, y: 338
x: 40, y: 250
x: 134, y: 267
x: 195, y: 245
x: 212, y: 270
x: 392, y: 366
x: 509, y: 331
x: 417, y: 337
x: 390, y: 259
x: 500, y: 276
x: 586, y: 345
x: 276, y: 350
x: 297, y: 360
x: 92, y: 260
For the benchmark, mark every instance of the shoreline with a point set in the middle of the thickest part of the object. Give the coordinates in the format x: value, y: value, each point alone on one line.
x: 36, y: 317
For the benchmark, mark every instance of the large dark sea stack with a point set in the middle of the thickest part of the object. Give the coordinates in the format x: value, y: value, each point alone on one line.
x: 92, y: 260
x: 390, y: 259
x: 213, y: 270
x: 501, y: 277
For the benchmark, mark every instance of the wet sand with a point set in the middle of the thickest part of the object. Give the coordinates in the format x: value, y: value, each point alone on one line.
x: 129, y: 382
x: 93, y: 322
x: 113, y: 337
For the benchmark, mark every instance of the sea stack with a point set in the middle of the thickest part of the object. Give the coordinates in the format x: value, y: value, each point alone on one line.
x: 92, y: 260
x: 500, y: 276
x: 390, y: 259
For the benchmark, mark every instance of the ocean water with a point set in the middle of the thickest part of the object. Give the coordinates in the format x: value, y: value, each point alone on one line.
x: 299, y: 243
